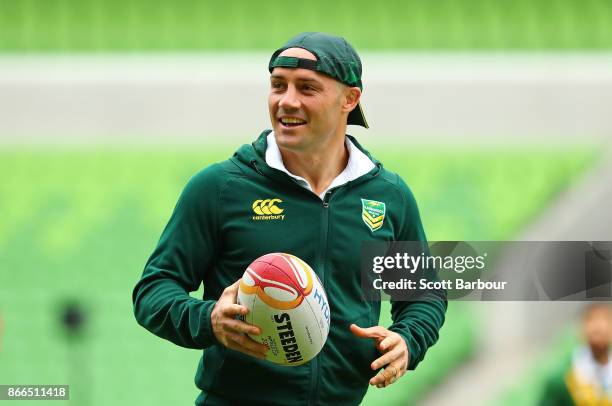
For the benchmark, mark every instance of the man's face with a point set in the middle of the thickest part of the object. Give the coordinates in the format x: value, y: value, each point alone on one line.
x: 305, y: 106
x: 597, y: 327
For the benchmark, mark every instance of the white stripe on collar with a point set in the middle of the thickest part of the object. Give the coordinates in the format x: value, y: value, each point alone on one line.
x: 358, y: 164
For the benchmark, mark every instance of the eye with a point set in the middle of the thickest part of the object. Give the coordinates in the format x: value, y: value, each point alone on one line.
x: 277, y: 85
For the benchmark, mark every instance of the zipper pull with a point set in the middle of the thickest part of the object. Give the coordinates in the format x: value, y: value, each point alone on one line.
x: 326, y: 199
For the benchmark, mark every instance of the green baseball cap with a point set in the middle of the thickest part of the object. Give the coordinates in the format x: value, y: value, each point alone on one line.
x: 335, y: 57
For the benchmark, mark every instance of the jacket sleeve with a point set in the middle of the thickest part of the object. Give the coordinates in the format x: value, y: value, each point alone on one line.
x: 185, y: 251
x: 418, y: 322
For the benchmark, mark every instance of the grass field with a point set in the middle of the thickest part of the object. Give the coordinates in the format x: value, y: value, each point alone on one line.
x: 187, y: 25
x: 77, y: 226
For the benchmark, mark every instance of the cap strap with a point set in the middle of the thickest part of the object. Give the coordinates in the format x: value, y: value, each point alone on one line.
x: 293, y: 62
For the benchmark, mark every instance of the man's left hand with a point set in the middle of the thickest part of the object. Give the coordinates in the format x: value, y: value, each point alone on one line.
x: 395, y: 354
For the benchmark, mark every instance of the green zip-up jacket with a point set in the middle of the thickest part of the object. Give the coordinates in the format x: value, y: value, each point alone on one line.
x: 214, y: 233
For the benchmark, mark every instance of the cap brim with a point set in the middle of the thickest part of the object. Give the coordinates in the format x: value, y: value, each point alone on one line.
x: 356, y: 117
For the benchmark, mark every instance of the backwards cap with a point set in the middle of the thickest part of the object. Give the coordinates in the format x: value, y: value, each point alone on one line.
x: 335, y: 58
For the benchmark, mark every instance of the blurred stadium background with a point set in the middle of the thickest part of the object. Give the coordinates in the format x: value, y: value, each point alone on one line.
x: 495, y: 112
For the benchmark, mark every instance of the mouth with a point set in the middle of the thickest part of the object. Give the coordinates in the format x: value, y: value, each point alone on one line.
x: 291, y: 122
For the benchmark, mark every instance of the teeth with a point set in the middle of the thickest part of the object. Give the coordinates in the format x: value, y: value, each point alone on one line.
x: 291, y: 120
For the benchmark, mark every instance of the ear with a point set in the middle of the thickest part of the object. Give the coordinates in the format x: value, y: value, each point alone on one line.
x: 350, y: 99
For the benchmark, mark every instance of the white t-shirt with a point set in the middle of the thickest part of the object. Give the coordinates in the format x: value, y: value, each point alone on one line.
x: 358, y: 164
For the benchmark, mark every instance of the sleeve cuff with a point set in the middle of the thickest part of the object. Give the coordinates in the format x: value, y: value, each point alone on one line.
x: 207, y: 330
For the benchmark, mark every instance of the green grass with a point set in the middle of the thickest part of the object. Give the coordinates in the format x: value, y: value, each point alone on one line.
x: 188, y: 25
x: 79, y: 225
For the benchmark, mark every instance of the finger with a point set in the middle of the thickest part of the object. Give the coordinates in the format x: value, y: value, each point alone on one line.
x: 391, y: 377
x: 398, y: 370
x: 238, y: 326
x: 402, y: 364
x: 379, y: 379
x: 385, y: 377
x: 232, y: 290
x: 389, y: 342
x: 403, y: 370
x: 387, y: 358
x: 396, y: 375
x: 375, y: 380
x: 370, y: 332
x: 232, y: 310
x: 248, y: 343
x: 237, y: 347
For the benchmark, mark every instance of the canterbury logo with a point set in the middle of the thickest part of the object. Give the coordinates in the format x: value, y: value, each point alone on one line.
x: 267, y: 209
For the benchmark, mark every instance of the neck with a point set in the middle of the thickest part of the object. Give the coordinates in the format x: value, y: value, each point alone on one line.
x: 319, y: 167
x: 601, y: 355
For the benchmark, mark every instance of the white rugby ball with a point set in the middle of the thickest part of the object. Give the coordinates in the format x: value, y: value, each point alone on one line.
x: 286, y: 299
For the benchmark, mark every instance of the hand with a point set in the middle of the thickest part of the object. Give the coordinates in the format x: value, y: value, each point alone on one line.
x: 395, y: 354
x: 232, y: 332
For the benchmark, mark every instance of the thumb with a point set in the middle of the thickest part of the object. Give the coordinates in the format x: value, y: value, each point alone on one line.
x: 369, y: 332
x: 232, y: 290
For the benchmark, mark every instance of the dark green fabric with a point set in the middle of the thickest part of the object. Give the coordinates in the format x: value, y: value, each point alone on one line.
x: 556, y: 392
x: 335, y: 57
x: 212, y: 237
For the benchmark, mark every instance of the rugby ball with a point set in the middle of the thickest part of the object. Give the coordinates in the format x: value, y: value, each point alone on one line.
x: 286, y: 300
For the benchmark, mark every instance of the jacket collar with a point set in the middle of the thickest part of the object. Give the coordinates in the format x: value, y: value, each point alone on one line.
x: 358, y: 164
x: 254, y: 155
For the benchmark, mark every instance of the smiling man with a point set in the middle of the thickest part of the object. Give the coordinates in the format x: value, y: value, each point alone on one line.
x: 329, y: 195
x: 308, y: 111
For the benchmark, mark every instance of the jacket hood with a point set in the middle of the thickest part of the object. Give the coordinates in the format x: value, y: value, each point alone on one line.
x: 254, y: 156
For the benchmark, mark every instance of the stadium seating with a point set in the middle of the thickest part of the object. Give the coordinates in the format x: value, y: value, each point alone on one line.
x: 190, y: 25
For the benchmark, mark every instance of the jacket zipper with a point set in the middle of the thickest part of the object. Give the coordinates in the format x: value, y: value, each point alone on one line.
x: 315, y: 365
x: 324, y: 228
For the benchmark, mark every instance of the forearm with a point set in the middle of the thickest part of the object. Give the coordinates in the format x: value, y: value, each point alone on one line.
x: 165, y: 308
x: 419, y: 324
x: 184, y: 253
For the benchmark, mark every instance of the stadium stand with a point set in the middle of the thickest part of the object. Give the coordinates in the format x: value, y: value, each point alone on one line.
x: 192, y: 25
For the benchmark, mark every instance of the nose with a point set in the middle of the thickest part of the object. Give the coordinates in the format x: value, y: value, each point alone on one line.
x: 290, y: 99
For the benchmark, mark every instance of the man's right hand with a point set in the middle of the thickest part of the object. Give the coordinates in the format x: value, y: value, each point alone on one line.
x: 230, y: 331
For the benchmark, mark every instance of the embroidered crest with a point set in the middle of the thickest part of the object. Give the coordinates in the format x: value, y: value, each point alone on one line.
x: 372, y: 213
